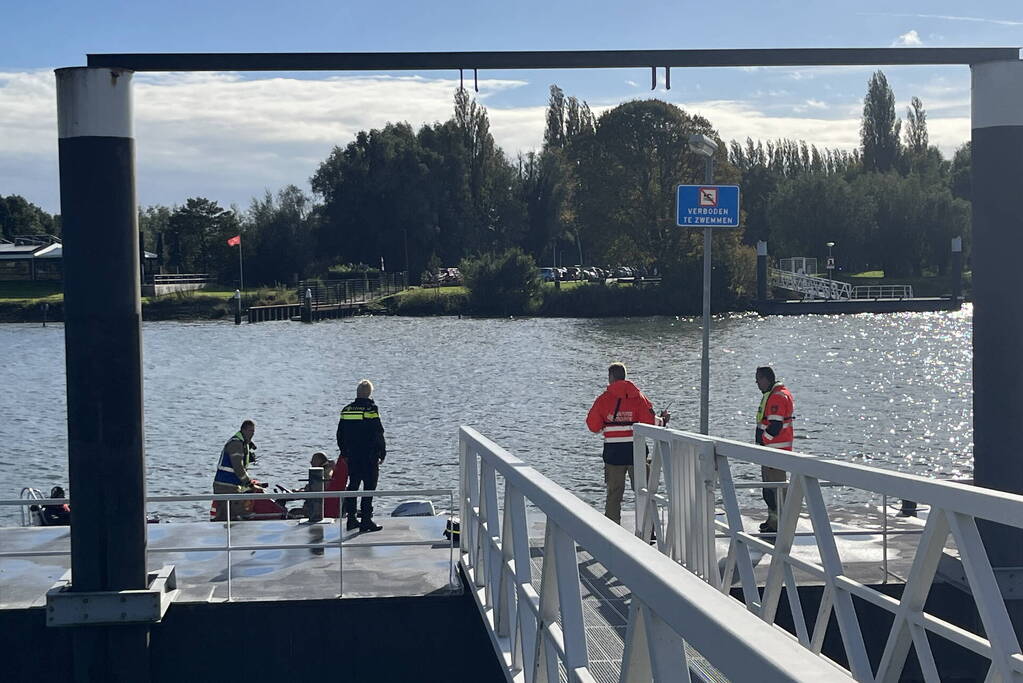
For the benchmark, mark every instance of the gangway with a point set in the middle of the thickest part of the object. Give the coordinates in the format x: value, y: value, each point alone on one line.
x: 809, y: 285
x: 658, y: 621
x: 816, y: 287
x: 689, y: 473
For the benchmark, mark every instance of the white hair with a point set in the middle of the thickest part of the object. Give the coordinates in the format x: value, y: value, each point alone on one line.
x: 364, y: 389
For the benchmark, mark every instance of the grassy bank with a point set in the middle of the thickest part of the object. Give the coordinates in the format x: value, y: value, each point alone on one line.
x: 22, y: 302
x: 576, y: 299
x: 925, y: 286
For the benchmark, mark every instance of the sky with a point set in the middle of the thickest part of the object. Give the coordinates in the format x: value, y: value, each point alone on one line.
x: 231, y: 137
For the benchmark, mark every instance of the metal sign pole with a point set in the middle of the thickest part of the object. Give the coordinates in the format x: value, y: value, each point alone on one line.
x: 708, y: 178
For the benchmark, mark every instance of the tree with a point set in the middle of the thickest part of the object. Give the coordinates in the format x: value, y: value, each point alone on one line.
x: 505, y: 283
x: 960, y: 176
x: 916, y: 127
x: 879, y: 130
x: 639, y: 154
x: 198, y: 234
x: 18, y: 216
x: 279, y: 235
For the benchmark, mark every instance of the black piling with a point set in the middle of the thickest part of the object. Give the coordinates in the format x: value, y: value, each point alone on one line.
x: 103, y: 342
x: 998, y: 308
x: 761, y: 271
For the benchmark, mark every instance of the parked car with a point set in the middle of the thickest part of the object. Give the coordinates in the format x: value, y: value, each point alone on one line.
x: 547, y: 274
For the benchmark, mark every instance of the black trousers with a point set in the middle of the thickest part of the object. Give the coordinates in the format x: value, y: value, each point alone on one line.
x: 364, y: 474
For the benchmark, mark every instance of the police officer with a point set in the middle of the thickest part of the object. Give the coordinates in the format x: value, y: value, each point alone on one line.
x: 360, y: 438
x: 774, y: 430
x: 233, y: 467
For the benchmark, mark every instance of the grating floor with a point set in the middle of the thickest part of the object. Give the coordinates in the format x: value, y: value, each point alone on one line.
x: 605, y: 615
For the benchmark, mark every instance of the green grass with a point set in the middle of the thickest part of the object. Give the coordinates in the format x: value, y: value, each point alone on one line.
x: 18, y: 290
x: 566, y: 284
x: 868, y: 273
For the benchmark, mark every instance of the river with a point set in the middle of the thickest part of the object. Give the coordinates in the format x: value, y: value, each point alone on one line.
x: 891, y: 390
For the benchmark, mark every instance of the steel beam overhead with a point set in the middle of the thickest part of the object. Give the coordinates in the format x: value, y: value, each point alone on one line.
x: 549, y: 59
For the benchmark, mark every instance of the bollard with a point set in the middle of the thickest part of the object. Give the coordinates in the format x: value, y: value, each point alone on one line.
x: 238, y: 307
x: 46, y: 309
x: 908, y: 508
x: 315, y: 507
x: 307, y: 310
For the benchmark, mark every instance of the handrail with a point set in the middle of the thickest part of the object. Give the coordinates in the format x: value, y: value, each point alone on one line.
x: 229, y: 547
x: 810, y: 285
x: 667, y: 603
x: 954, y: 511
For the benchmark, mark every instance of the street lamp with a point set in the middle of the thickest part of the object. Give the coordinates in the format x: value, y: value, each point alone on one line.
x: 703, y: 146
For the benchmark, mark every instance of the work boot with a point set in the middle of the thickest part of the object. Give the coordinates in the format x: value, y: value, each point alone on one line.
x: 369, y: 525
x: 352, y: 523
x: 768, y: 527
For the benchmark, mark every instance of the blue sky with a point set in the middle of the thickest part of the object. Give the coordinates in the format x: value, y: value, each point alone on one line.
x: 229, y: 136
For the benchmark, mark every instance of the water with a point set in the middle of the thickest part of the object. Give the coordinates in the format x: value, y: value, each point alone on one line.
x: 892, y: 391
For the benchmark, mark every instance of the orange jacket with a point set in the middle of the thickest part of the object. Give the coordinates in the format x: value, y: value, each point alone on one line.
x: 776, y: 408
x: 613, y: 414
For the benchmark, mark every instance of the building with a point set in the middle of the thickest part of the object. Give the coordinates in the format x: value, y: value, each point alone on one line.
x: 38, y: 257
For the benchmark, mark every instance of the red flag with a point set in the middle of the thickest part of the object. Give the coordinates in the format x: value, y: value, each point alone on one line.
x: 235, y: 241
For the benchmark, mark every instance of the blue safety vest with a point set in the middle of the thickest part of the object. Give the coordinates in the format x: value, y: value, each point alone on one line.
x: 225, y: 472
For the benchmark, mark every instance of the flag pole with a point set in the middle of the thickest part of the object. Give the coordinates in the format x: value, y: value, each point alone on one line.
x: 241, y: 270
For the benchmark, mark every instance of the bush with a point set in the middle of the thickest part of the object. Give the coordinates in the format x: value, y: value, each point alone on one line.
x: 502, y: 284
x: 433, y: 301
x: 600, y: 300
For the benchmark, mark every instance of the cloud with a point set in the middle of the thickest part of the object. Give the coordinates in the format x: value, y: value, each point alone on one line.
x: 228, y: 138
x: 908, y: 39
x: 813, y: 104
x: 946, y: 17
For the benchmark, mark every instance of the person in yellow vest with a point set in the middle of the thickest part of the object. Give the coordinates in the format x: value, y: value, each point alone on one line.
x: 232, y: 474
x: 774, y: 430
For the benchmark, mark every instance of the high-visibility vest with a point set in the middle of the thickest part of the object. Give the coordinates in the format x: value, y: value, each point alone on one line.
x: 783, y: 439
x: 225, y: 472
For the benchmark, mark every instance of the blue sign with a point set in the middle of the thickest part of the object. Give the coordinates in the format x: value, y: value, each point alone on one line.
x: 708, y: 206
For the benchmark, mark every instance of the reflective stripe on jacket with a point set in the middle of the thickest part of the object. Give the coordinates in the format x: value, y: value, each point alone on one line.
x: 776, y: 406
x: 613, y: 414
x: 360, y: 434
x: 225, y: 471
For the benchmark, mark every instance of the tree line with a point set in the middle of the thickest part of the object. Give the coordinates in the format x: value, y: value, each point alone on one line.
x: 600, y: 190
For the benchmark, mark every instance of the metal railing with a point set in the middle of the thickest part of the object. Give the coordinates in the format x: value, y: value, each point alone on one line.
x: 697, y: 468
x: 882, y: 292
x: 179, y: 278
x: 541, y: 633
x: 352, y: 290
x: 816, y: 287
x: 230, y: 547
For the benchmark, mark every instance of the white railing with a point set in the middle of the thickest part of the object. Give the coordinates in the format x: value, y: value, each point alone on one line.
x: 882, y: 292
x: 816, y: 287
x: 541, y: 633
x: 229, y: 547
x: 696, y: 468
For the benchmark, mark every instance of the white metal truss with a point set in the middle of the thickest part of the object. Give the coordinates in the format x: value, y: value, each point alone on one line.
x: 541, y: 635
x: 954, y: 509
x: 808, y: 285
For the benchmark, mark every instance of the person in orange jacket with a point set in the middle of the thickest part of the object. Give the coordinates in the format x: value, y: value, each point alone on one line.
x: 774, y: 430
x: 612, y: 415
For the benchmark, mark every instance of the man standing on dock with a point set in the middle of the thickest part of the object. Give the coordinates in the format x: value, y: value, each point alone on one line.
x: 360, y: 438
x: 232, y: 474
x: 774, y: 430
x: 613, y: 413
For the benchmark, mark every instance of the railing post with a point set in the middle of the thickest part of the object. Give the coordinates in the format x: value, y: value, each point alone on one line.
x: 315, y: 485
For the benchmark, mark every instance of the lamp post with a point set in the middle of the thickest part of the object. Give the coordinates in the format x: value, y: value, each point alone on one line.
x: 703, y: 146
x: 831, y: 266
